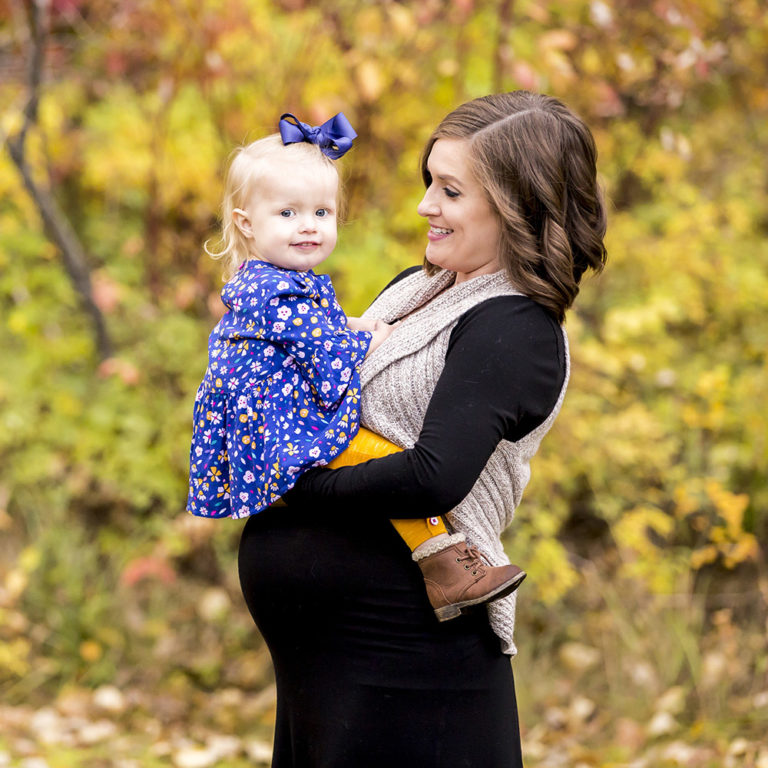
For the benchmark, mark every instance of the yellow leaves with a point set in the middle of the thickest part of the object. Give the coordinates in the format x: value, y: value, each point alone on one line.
x: 368, y: 24
x: 6, y: 521
x: 188, y: 158
x: 591, y: 61
x: 646, y: 319
x: 645, y: 536
x: 730, y: 506
x: 369, y: 80
x: 559, y: 68
x: 553, y: 47
x: 11, y: 120
x: 30, y: 559
x: 554, y: 573
x: 401, y: 19
x: 633, y: 529
x: 633, y: 429
x: 66, y: 404
x: 711, y: 393
x: 657, y: 165
x: 739, y: 216
x: 117, y: 151
x: 733, y: 552
x: 132, y: 138
x: 685, y: 502
x: 91, y: 651
x: 717, y: 515
x: 713, y: 383
x: 727, y: 538
x: 703, y: 556
x: 18, y: 321
x: 558, y: 40
x: 14, y: 656
x: 448, y: 67
x: 16, y: 579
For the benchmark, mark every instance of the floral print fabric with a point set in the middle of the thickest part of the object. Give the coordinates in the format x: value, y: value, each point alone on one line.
x: 281, y: 392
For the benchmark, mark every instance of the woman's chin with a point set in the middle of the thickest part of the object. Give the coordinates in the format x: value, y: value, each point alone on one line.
x: 434, y: 259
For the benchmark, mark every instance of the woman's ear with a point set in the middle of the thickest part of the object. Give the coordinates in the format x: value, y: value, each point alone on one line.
x: 242, y: 222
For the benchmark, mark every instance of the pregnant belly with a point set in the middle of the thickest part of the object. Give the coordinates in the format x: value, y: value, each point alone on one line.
x: 320, y: 589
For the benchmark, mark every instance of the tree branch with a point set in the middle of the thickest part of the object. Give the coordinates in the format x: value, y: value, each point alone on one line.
x: 56, y: 225
x: 501, y: 53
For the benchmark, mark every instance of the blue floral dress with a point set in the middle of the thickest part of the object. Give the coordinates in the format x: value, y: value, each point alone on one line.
x: 281, y: 392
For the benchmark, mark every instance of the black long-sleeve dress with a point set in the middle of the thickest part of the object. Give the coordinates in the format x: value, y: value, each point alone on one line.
x: 366, y: 676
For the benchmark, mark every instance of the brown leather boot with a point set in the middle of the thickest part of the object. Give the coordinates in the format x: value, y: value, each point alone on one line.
x: 456, y: 577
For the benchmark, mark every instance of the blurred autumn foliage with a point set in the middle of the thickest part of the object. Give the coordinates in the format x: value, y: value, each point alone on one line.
x: 645, y: 524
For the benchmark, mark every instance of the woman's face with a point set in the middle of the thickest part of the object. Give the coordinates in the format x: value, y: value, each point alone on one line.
x: 463, y: 228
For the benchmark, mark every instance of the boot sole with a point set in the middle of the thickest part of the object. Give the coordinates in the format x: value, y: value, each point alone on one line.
x: 452, y: 611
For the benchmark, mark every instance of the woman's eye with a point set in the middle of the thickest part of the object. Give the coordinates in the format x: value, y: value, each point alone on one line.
x: 450, y: 192
x: 287, y: 213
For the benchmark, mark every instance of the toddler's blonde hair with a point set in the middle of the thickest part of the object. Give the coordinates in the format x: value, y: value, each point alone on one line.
x: 246, y: 168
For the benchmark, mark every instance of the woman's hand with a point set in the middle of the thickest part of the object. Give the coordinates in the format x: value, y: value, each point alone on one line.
x: 380, y: 333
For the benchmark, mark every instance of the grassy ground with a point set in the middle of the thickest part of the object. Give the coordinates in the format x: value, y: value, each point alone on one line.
x: 611, y: 677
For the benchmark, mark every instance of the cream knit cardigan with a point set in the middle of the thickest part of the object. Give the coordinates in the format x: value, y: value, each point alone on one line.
x: 398, y: 379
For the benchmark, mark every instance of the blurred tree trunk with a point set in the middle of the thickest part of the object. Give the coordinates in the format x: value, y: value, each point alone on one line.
x: 57, y: 226
x: 501, y: 53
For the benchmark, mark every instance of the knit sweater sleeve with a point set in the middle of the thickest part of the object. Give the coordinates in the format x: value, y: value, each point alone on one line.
x: 504, y: 369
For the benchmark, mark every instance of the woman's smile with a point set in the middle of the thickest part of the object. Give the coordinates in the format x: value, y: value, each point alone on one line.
x: 436, y: 233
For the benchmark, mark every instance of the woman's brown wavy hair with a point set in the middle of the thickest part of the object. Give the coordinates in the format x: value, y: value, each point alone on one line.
x: 537, y: 163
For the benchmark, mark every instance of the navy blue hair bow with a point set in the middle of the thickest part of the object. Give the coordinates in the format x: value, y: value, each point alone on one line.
x: 334, y: 136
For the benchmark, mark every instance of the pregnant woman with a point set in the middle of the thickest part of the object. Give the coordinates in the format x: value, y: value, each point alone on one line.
x: 468, y: 382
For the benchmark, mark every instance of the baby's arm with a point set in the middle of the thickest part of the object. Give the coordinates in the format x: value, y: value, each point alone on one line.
x: 378, y: 329
x: 380, y: 333
x: 360, y: 324
x: 328, y: 353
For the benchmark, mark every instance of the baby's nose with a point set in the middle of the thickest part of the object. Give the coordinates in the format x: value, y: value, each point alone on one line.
x: 307, y: 224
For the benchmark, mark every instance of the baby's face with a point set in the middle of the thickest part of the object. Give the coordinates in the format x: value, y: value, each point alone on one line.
x: 291, y: 217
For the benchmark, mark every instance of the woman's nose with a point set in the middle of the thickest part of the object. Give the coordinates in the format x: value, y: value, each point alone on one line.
x: 427, y: 206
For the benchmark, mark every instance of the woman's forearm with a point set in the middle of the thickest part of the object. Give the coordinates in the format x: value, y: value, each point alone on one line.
x: 503, y: 372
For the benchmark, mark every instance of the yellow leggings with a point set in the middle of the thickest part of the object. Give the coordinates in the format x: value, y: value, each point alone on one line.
x: 368, y: 445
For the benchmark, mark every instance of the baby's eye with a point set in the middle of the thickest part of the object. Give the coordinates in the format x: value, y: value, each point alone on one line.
x: 450, y: 192
x: 287, y: 213
x: 321, y: 212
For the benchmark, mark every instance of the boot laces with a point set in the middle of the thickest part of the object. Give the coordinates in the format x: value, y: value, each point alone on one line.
x: 475, y: 561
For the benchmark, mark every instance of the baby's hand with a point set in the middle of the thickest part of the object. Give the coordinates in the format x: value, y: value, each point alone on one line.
x: 380, y: 333
x: 360, y: 324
